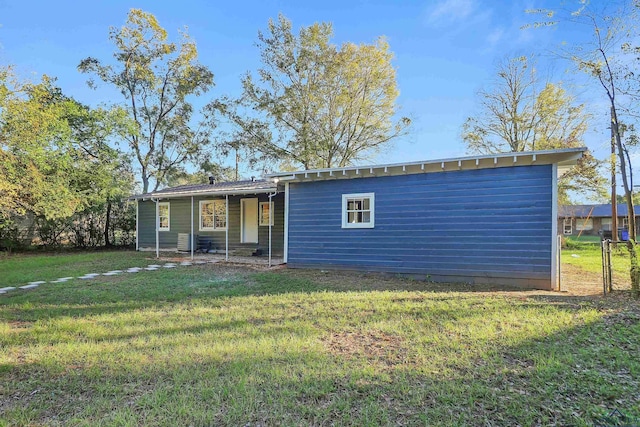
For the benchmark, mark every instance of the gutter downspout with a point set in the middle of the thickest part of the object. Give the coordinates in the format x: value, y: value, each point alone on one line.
x: 226, y: 231
x: 157, y: 227
x: 270, y: 222
x: 137, y: 227
x: 191, y: 240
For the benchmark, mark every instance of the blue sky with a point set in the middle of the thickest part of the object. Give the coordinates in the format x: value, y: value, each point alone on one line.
x: 445, y: 50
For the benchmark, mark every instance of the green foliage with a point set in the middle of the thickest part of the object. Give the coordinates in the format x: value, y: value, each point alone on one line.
x: 156, y: 77
x: 518, y: 114
x: 313, y: 104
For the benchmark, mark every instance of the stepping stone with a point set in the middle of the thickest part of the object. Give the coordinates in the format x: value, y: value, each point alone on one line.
x: 151, y: 268
x: 200, y: 262
x: 3, y: 292
x: 61, y: 280
x: 110, y: 273
x: 64, y: 279
x: 185, y: 263
x: 32, y: 286
x: 115, y: 271
x: 135, y: 270
x: 39, y: 282
x: 91, y: 274
x: 8, y: 288
x: 154, y: 265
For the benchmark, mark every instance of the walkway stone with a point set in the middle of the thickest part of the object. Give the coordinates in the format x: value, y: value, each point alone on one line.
x: 151, y: 268
x: 200, y: 262
x: 185, y: 263
x: 110, y: 273
x: 115, y: 271
x: 154, y: 265
x: 8, y: 288
x: 31, y: 286
x: 62, y: 280
x: 39, y: 282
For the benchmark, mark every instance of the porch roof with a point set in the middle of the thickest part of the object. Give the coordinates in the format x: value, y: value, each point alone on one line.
x: 218, y: 189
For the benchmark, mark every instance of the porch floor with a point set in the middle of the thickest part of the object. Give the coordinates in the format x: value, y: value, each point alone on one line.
x: 214, y: 258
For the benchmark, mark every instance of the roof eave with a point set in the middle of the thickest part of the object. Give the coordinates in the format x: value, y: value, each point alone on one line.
x: 174, y: 195
x: 564, y: 158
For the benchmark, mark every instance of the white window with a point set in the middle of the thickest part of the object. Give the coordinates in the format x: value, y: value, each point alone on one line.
x: 163, y: 216
x: 213, y: 215
x: 265, y: 211
x: 584, y: 224
x: 567, y: 226
x: 358, y: 210
x: 606, y: 224
x: 624, y: 222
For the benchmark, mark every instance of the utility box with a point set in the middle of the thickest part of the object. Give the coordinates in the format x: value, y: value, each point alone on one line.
x: 184, y: 242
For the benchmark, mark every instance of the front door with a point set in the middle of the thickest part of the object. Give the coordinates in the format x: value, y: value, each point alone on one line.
x: 249, y: 220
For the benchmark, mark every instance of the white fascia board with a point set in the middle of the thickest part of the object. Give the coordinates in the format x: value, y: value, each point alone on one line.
x: 205, y: 193
x: 564, y: 158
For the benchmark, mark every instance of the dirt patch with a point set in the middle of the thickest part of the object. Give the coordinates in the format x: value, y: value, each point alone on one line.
x: 379, y: 346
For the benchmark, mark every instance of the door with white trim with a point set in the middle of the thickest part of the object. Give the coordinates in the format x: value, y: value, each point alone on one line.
x: 249, y: 220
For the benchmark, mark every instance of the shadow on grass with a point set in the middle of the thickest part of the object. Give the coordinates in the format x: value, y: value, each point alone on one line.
x: 126, y: 293
x: 283, y: 375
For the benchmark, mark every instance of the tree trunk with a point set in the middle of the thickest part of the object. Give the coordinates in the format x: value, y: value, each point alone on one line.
x: 107, y: 225
x: 634, y: 271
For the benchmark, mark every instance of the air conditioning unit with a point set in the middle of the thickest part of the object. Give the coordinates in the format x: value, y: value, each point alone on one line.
x: 185, y: 243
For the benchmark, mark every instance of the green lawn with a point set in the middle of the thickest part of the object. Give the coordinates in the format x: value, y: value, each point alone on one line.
x: 214, y: 345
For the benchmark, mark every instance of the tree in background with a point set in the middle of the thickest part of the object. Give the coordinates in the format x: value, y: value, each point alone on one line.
x: 55, y: 159
x: 156, y: 78
x: 313, y: 104
x: 519, y: 114
x: 607, y: 59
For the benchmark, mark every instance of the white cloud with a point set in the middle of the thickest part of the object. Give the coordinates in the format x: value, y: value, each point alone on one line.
x: 449, y: 11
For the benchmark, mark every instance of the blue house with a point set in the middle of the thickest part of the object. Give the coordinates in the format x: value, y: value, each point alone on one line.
x: 480, y: 219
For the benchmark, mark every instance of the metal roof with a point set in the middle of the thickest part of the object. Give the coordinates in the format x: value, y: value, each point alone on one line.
x: 217, y: 189
x: 599, y: 211
x: 564, y: 158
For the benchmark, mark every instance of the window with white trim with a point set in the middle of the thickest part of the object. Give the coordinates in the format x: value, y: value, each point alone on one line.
x: 606, y: 224
x: 163, y: 216
x: 358, y: 210
x: 567, y: 226
x: 265, y: 211
x: 625, y: 222
x: 213, y: 215
x: 584, y: 224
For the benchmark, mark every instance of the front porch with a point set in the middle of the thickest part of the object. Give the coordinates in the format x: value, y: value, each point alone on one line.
x: 200, y: 258
x: 218, y: 225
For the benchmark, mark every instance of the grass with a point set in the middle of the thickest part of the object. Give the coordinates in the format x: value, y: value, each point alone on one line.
x: 20, y: 269
x: 222, y: 345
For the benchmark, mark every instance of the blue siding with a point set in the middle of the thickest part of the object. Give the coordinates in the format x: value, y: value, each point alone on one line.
x: 477, y: 225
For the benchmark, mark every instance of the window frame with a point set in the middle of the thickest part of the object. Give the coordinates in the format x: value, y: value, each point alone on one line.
x: 168, y: 227
x: 371, y: 210
x: 565, y: 225
x: 268, y: 223
x: 214, y: 228
x: 584, y: 224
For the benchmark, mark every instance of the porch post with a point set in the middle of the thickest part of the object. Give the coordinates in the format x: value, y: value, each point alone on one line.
x: 191, y: 241
x: 270, y: 221
x: 137, y: 227
x: 157, y: 229
x: 226, y: 232
x: 286, y: 222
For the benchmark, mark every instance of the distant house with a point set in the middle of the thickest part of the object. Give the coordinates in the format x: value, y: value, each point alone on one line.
x: 480, y: 219
x: 590, y: 220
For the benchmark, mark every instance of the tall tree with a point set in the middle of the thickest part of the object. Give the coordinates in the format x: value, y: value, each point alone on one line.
x: 519, y: 113
x: 156, y: 77
x: 55, y: 161
x: 602, y: 57
x: 313, y: 104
